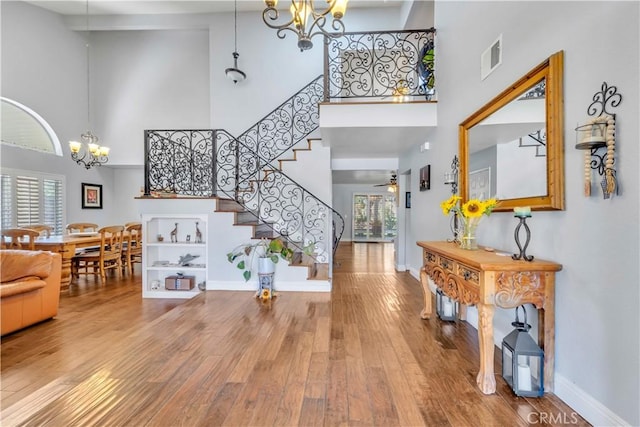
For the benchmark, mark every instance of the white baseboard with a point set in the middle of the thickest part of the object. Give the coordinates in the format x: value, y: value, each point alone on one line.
x: 305, y: 286
x: 414, y: 272
x: 401, y: 267
x: 584, y: 404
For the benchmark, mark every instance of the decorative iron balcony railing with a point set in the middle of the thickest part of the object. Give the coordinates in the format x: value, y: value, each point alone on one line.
x: 388, y: 65
x: 179, y: 161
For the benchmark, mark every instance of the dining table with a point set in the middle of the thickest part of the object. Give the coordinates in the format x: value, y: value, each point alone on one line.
x: 66, y: 245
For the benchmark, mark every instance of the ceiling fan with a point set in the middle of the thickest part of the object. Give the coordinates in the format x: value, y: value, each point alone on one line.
x: 392, y: 184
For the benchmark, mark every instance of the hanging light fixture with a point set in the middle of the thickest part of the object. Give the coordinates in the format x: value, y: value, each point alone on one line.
x: 234, y: 73
x: 91, y: 153
x: 305, y: 21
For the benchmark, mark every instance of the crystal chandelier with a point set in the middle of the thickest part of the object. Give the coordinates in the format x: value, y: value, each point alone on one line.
x: 234, y: 73
x: 88, y: 153
x: 305, y: 21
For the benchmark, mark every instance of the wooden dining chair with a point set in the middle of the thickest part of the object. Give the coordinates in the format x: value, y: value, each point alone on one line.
x: 19, y: 238
x: 132, y: 250
x: 81, y: 227
x: 126, y: 224
x: 108, y: 257
x: 43, y: 229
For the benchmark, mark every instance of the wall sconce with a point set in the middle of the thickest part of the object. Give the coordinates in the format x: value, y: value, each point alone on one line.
x: 599, y: 132
x: 92, y: 153
x: 451, y: 178
x: 523, y: 360
x: 446, y: 308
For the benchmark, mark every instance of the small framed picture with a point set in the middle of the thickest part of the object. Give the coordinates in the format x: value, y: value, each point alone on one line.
x: 91, y: 196
x: 425, y: 178
x: 407, y: 200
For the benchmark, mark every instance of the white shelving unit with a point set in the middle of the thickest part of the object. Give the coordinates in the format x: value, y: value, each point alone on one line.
x: 160, y: 259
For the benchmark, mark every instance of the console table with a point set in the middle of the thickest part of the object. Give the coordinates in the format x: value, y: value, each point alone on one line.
x: 486, y: 279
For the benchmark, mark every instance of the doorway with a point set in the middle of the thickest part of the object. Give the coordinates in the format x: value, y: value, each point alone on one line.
x: 374, y: 217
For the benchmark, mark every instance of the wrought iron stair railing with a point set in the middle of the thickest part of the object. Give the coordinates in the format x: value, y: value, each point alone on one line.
x: 275, y: 199
x: 209, y: 163
x: 288, y: 124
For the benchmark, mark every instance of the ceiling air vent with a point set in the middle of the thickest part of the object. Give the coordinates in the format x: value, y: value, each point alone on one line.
x: 491, y: 58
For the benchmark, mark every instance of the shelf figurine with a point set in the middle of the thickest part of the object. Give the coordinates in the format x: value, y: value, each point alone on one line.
x: 198, y: 234
x: 174, y: 234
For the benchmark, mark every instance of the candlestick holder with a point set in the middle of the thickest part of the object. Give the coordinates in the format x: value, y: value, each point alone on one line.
x: 523, y: 249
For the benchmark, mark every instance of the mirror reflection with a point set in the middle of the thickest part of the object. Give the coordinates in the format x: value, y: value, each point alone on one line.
x: 508, y: 149
x: 512, y: 148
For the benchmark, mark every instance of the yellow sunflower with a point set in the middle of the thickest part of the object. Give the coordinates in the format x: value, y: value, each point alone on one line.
x: 473, y: 209
x: 449, y: 204
x: 489, y: 204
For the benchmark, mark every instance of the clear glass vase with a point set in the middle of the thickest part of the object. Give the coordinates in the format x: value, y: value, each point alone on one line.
x: 467, y: 235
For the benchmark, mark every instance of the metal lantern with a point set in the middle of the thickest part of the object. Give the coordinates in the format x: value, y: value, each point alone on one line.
x: 523, y: 360
x: 446, y: 308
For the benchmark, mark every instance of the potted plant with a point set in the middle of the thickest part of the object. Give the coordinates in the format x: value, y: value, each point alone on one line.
x: 268, y: 251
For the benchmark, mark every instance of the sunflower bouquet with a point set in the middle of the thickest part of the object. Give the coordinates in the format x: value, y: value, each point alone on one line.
x: 470, y: 213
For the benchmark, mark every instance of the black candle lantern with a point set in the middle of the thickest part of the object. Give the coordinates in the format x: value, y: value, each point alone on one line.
x: 523, y: 360
x: 446, y: 308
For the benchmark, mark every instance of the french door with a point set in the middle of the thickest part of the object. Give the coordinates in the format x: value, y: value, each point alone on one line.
x: 374, y: 217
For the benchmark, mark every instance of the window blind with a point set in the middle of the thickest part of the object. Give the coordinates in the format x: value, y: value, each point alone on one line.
x: 32, y: 198
x: 6, y: 198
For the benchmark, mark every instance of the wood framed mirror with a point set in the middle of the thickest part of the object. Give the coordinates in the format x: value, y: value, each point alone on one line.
x: 513, y: 147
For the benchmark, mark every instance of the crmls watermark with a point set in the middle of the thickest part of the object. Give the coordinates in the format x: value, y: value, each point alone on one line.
x: 551, y: 418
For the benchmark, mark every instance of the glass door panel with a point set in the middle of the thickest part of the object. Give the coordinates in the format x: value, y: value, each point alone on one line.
x: 390, y: 217
x: 374, y: 217
x: 360, y: 217
x: 376, y: 207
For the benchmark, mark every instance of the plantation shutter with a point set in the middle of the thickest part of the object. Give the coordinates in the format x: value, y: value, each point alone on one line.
x: 27, y: 201
x: 32, y: 198
x: 52, y: 213
x: 6, y: 200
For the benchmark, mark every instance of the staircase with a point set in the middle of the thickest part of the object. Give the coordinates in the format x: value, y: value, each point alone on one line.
x: 240, y: 173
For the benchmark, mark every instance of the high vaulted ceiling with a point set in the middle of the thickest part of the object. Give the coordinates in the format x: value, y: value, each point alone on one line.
x: 154, y: 7
x: 347, y: 143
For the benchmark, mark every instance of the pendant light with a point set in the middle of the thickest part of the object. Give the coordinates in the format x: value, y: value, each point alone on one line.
x: 89, y: 152
x: 234, y: 73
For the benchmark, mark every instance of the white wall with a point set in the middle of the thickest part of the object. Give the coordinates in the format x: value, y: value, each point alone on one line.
x: 596, y: 241
x: 44, y: 67
x: 147, y: 80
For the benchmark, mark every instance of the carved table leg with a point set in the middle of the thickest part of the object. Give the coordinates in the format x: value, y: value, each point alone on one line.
x: 65, y: 280
x: 485, y: 379
x: 424, y: 280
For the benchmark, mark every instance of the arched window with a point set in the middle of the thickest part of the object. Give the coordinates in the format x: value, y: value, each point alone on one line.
x: 23, y: 127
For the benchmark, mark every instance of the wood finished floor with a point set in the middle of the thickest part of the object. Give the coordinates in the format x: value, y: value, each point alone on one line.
x: 359, y: 356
